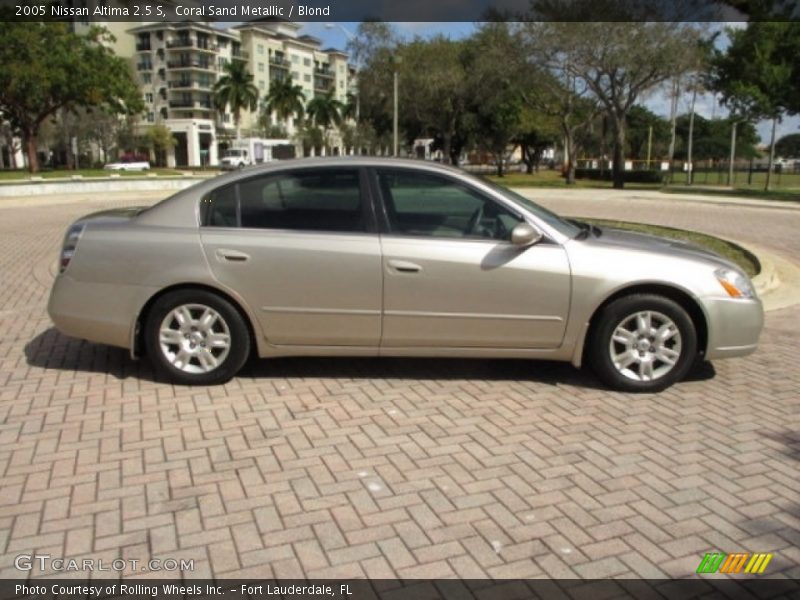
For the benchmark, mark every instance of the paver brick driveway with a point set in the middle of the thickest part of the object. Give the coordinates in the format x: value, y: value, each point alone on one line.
x: 385, y: 468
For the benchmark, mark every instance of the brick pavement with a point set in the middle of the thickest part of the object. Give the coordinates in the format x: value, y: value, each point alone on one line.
x: 393, y: 467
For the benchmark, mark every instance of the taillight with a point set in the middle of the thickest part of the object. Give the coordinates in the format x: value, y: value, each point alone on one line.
x: 70, y: 244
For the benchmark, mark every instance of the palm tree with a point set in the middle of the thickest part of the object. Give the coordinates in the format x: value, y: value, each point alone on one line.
x: 325, y: 111
x: 236, y: 90
x: 284, y: 98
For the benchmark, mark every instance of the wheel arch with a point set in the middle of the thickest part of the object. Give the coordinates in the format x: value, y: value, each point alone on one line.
x: 137, y: 334
x: 688, y: 302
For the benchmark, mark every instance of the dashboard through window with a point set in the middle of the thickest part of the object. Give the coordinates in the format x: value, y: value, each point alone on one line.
x: 422, y: 204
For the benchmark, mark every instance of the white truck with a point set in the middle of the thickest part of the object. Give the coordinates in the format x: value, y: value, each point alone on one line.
x: 250, y: 151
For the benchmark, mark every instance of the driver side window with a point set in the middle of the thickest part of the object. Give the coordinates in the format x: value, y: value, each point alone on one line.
x: 422, y: 204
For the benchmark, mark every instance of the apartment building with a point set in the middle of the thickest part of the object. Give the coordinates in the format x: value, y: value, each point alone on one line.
x: 277, y: 50
x: 177, y: 65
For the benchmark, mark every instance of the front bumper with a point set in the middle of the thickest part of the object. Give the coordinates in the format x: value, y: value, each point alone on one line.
x: 734, y: 326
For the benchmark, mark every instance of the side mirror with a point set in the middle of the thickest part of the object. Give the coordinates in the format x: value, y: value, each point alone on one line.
x: 525, y: 234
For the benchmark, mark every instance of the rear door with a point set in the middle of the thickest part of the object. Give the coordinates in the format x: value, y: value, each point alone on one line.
x: 302, y: 250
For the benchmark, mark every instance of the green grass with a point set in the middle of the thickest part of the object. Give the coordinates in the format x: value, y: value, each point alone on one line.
x: 552, y: 178
x: 20, y: 175
x: 726, y: 249
x: 783, y: 195
x: 786, y: 186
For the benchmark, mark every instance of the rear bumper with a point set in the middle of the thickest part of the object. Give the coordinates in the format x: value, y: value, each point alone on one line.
x: 734, y: 326
x: 99, y: 312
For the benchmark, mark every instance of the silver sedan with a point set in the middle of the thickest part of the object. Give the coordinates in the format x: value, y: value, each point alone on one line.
x: 382, y: 257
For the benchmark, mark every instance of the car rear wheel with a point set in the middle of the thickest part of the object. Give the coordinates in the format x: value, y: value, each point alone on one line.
x: 195, y: 337
x: 642, y: 343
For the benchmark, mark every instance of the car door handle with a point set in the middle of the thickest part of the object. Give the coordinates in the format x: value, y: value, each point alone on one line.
x: 232, y: 255
x: 402, y: 266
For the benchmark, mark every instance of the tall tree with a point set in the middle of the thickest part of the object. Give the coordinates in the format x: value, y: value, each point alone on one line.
x: 552, y: 88
x: 325, y: 112
x: 758, y: 75
x: 236, y: 90
x: 433, y: 88
x: 374, y: 49
x: 285, y: 98
x: 46, y: 68
x: 494, y: 68
x: 619, y: 62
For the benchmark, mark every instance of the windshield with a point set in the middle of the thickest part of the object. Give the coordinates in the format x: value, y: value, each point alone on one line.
x: 233, y: 152
x: 561, y: 225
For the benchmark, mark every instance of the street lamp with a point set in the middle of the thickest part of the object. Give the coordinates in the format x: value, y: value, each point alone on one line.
x: 397, y: 61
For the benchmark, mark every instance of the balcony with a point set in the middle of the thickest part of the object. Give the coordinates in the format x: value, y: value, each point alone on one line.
x: 279, y: 62
x: 188, y: 84
x: 322, y: 85
x: 200, y: 46
x: 143, y: 47
x: 191, y: 104
x: 179, y: 43
x: 191, y: 64
x: 324, y: 72
x: 239, y: 55
x: 144, y: 66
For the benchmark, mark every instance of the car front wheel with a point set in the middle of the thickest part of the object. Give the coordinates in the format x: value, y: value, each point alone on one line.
x: 195, y: 337
x: 642, y: 343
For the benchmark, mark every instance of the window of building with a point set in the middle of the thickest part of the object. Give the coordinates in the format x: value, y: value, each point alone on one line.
x: 307, y: 62
x: 306, y: 77
x: 151, y: 117
x: 147, y: 78
x: 260, y: 49
x: 148, y: 98
x: 260, y: 67
x: 261, y: 84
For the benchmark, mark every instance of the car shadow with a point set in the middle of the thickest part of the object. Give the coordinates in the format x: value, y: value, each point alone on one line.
x: 53, y: 350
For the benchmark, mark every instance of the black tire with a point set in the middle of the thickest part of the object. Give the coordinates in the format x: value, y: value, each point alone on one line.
x: 618, y: 312
x: 229, y: 321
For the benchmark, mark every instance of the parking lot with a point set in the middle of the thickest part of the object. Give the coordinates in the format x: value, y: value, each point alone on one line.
x: 395, y: 467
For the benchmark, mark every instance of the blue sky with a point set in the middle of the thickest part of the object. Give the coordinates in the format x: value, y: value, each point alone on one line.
x: 657, y: 100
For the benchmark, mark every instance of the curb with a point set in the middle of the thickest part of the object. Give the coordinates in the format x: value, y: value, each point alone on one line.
x: 778, y: 282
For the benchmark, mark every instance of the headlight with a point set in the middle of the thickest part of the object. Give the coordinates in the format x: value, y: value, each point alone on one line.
x: 735, y: 283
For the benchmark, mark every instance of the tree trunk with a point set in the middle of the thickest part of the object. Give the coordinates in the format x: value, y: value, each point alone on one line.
x: 673, y: 118
x: 733, y: 154
x: 771, y: 154
x: 690, y: 142
x: 30, y: 151
x: 446, y: 145
x: 569, y: 152
x: 499, y: 160
x: 618, y: 170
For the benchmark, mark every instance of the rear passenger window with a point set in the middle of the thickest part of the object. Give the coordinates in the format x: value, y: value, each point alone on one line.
x: 315, y: 200
x: 222, y: 207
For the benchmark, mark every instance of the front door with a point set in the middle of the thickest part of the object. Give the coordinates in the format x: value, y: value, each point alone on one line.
x: 453, y: 279
x: 299, y: 249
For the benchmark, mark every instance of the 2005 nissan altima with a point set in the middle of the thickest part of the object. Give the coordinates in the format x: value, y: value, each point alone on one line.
x: 382, y: 257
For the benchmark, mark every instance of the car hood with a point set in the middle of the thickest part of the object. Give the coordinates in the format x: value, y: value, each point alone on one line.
x: 651, y: 243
